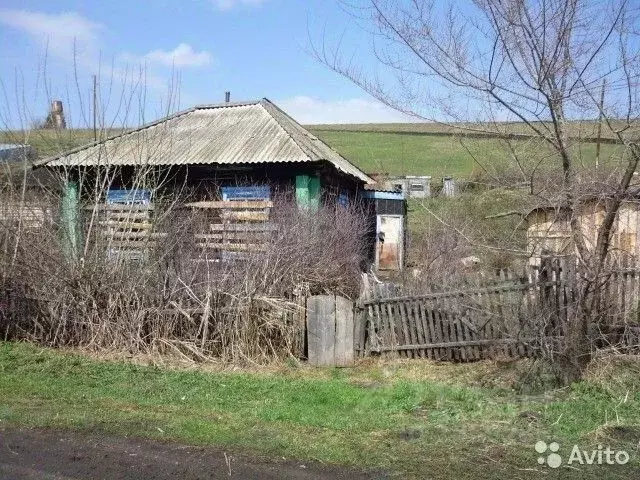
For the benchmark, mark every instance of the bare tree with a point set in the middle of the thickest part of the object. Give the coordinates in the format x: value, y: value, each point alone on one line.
x: 77, y: 269
x: 541, y: 63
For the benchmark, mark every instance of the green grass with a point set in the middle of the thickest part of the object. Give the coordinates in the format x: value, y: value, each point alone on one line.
x: 420, y: 419
x: 52, y: 142
x: 414, y: 154
x: 405, y: 154
x: 467, y: 213
x: 575, y: 129
x: 389, y: 148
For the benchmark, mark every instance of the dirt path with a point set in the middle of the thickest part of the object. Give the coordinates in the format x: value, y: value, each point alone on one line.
x: 66, y: 455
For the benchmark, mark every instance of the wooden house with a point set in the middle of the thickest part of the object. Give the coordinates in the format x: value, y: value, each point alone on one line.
x: 229, y: 158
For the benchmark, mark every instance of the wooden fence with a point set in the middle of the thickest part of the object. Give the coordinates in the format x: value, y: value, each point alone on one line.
x: 508, y: 319
x: 231, y: 229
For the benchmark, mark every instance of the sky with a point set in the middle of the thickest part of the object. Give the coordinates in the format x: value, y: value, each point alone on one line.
x: 184, y: 53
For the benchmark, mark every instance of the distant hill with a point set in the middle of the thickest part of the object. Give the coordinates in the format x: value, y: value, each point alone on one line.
x: 393, y: 148
x: 586, y: 130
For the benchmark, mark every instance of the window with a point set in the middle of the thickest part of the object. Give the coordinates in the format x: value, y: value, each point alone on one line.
x: 417, y: 187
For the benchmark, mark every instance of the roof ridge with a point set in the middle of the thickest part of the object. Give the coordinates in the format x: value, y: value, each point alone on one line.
x: 308, y: 151
x: 264, y: 103
x: 227, y: 104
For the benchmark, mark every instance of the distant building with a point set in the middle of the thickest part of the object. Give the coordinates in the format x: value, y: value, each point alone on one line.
x: 411, y: 186
x: 448, y: 187
x: 55, y: 118
x: 11, y: 152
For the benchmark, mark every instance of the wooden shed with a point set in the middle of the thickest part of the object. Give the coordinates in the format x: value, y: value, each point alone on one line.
x: 549, y: 230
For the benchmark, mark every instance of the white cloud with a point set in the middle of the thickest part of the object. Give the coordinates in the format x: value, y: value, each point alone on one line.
x: 309, y: 110
x: 229, y: 4
x: 65, y: 34
x: 182, y: 56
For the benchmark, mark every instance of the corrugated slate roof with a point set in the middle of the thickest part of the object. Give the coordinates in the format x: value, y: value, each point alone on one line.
x: 228, y: 133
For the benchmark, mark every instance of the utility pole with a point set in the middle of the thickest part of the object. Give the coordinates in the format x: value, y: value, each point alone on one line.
x: 95, y: 108
x: 600, y: 115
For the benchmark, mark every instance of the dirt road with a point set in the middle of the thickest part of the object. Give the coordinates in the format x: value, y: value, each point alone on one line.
x: 67, y: 455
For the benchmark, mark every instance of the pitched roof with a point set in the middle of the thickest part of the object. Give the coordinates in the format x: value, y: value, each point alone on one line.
x: 227, y: 133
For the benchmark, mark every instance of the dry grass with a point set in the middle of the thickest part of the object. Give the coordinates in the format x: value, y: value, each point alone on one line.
x: 175, y: 297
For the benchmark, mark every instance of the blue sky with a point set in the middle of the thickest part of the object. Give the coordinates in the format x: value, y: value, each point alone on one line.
x: 254, y: 48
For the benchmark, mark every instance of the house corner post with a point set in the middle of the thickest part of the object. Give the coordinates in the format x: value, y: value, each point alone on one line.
x: 70, y: 219
x: 308, y: 192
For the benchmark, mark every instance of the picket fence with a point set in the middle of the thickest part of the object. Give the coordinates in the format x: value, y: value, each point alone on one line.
x: 511, y: 317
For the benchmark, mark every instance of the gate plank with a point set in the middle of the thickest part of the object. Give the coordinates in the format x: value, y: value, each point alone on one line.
x: 344, y: 332
x: 321, y: 329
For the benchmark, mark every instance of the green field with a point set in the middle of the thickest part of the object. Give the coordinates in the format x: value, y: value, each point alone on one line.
x: 440, y: 155
x: 52, y: 142
x: 418, y: 419
x: 575, y: 129
x: 401, y: 149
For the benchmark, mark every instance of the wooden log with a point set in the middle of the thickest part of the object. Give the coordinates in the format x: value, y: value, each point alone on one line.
x: 232, y: 247
x: 124, y: 216
x: 433, y: 338
x: 130, y: 244
x: 255, y: 236
x: 231, y: 204
x: 426, y: 332
x: 246, y: 216
x: 457, y: 293
x: 243, y: 227
x: 444, y: 336
x: 377, y: 328
x: 124, y: 235
x: 126, y: 225
x: 116, y: 207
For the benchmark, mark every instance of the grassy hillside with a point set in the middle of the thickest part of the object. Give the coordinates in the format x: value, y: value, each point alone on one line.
x: 575, y: 129
x: 52, y: 142
x: 402, y: 149
x: 437, y: 155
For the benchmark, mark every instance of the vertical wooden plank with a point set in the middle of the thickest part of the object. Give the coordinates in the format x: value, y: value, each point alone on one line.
x: 416, y: 323
x: 321, y: 328
x: 467, y: 335
x: 420, y: 326
x: 446, y: 337
x: 439, y: 335
x: 344, y: 332
x: 413, y: 327
x: 461, y: 337
x: 406, y: 329
x: 453, y: 334
x: 426, y: 334
x: 392, y: 328
x: 433, y: 336
x: 403, y: 335
x: 377, y: 329
x: 359, y: 318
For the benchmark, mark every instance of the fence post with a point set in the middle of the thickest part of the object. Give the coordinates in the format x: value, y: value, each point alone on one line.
x: 330, y: 330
